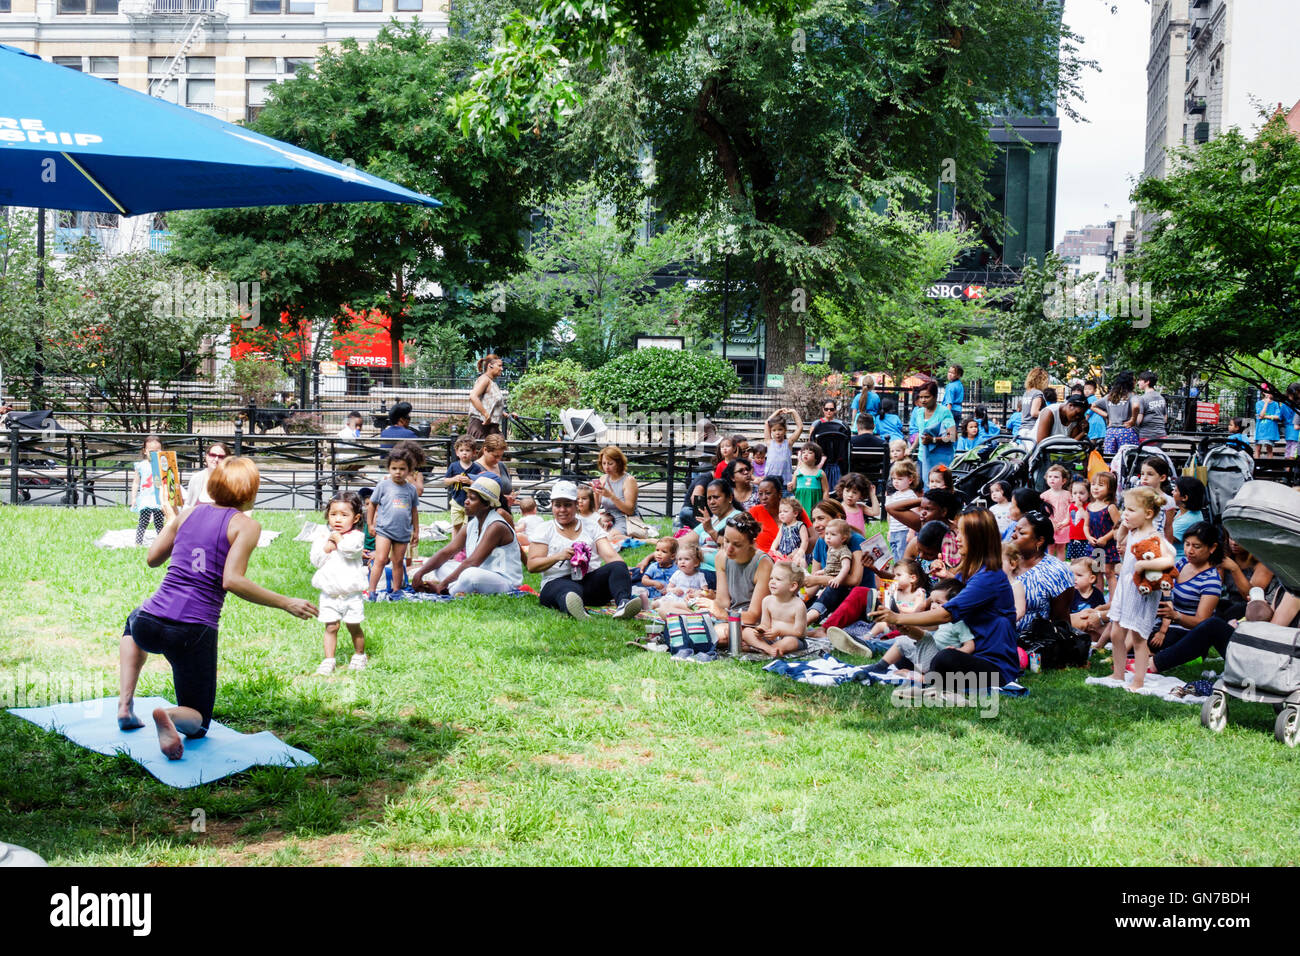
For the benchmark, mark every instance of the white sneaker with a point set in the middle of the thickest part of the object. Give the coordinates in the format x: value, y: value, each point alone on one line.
x: 358, y: 662
x: 326, y: 667
x: 630, y: 608
x: 573, y: 604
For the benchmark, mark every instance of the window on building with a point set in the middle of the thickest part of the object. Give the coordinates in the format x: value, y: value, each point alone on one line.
x: 283, y: 6
x: 264, y: 6
x: 158, y: 65
x: 71, y: 62
x: 6, y: 6
x: 292, y: 64
x: 87, y: 6
x: 201, y: 65
x: 256, y: 93
x: 260, y: 65
x: 370, y: 6
x: 200, y: 92
x: 409, y: 5
x: 103, y: 65
x: 302, y: 6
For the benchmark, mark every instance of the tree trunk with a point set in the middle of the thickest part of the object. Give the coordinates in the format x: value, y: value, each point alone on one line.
x: 396, y: 329
x: 784, y: 331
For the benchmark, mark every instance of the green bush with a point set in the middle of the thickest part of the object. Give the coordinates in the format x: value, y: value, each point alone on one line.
x: 548, y: 388
x: 661, y: 380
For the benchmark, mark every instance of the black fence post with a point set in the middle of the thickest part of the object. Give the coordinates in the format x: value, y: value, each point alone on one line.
x: 546, y: 427
x: 672, y: 458
x: 334, y: 465
x: 189, y: 419
x: 316, y: 455
x: 239, y: 438
x: 251, y: 412
x: 13, y: 464
x: 70, y: 482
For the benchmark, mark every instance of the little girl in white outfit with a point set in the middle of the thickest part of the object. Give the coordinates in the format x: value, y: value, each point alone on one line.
x: 341, y: 579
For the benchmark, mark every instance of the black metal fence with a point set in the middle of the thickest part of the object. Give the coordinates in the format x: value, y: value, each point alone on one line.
x: 301, y: 472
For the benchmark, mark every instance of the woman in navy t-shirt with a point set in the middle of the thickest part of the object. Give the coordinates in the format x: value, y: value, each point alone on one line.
x: 986, y: 604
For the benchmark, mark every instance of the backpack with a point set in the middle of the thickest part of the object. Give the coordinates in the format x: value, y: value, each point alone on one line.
x: 689, y: 631
x: 1057, y: 643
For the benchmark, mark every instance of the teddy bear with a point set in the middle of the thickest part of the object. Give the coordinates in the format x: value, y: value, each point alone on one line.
x: 1148, y: 581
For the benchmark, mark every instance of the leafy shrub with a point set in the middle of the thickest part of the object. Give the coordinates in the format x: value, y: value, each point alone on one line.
x: 661, y: 380
x: 548, y: 388
x: 807, y: 386
x: 256, y: 379
x: 305, y: 423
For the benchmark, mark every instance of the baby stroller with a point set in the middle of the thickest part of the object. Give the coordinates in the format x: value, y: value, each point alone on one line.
x: 973, y: 485
x: 1227, y: 468
x: 1262, y: 662
x: 1056, y: 450
x: 1127, y: 463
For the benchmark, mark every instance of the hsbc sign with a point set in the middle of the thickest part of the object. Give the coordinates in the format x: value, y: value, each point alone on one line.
x: 954, y: 290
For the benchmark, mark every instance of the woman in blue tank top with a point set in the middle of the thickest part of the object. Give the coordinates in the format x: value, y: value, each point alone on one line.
x: 212, y: 544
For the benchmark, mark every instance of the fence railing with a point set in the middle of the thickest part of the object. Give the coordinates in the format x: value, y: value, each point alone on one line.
x: 301, y: 472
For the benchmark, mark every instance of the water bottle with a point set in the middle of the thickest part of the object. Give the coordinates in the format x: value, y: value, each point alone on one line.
x: 1035, y: 662
x: 733, y: 634
x: 388, y: 578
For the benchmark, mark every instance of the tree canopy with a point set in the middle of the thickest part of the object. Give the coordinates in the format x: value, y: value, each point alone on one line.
x: 381, y: 109
x: 1223, y: 262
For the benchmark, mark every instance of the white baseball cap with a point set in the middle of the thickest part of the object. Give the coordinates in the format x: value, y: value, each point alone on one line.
x: 564, y: 491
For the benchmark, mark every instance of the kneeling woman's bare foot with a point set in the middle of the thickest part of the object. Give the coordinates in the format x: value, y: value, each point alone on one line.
x: 169, y: 739
x: 126, y: 718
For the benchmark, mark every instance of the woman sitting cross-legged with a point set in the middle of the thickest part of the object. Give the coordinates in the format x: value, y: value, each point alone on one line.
x: 744, y: 574
x: 578, y: 565
x: 492, y: 562
x: 985, y: 603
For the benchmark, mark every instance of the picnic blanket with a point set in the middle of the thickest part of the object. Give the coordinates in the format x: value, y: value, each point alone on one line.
x: 433, y: 531
x: 829, y: 671
x: 408, y: 595
x: 1156, y: 685
x: 92, y: 724
x: 125, y: 538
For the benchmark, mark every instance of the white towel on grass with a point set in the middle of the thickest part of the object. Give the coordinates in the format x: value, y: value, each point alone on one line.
x: 1156, y: 685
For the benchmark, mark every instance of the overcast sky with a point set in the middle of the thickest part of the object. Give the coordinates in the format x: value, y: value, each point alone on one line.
x: 1100, y: 158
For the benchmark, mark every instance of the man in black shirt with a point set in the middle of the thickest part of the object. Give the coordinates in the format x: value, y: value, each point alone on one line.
x: 865, y: 439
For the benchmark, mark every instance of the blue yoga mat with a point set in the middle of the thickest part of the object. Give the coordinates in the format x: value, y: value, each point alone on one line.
x: 93, y: 724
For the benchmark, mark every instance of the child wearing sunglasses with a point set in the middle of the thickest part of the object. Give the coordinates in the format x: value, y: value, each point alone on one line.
x: 197, y: 491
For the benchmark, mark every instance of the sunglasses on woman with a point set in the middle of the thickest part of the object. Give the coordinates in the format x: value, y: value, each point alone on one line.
x: 216, y: 456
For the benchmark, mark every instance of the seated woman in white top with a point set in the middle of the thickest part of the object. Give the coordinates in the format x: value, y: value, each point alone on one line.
x: 492, y: 562
x: 197, y: 491
x: 566, y: 585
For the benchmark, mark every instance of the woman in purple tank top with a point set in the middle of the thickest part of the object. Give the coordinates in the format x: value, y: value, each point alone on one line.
x: 211, y: 545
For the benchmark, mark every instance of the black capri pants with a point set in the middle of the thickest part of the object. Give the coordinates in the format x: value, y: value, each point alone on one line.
x: 191, y: 649
x: 609, y: 582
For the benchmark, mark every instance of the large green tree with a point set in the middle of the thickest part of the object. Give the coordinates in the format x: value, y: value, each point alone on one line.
x: 594, y: 272
x: 381, y: 109
x: 1223, y: 262
x: 897, y: 327
x: 783, y: 138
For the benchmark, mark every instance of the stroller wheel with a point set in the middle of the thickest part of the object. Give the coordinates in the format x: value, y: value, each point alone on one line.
x: 1214, y: 712
x: 1287, y: 726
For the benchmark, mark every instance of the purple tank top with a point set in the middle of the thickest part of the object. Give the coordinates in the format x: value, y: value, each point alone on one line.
x: 192, y: 592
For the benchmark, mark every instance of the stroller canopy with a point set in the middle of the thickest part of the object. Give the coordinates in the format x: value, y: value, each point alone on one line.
x: 1264, y: 518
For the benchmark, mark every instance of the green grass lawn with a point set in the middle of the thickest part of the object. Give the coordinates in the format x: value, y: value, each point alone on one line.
x: 492, y: 731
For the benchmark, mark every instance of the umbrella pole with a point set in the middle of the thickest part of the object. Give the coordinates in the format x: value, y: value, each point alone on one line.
x: 38, y: 366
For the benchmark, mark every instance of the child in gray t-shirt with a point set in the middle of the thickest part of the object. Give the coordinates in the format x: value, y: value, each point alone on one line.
x: 392, y: 516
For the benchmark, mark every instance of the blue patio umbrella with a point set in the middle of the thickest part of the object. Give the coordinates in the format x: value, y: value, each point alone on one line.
x: 72, y: 141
